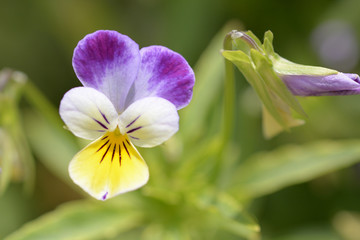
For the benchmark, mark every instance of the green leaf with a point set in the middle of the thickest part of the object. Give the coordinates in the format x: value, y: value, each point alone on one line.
x: 53, y: 145
x: 224, y: 212
x: 81, y: 220
x: 197, y: 162
x: 235, y: 220
x: 268, y: 172
x: 243, y: 227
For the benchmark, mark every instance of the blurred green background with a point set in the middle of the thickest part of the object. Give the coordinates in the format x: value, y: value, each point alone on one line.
x: 38, y: 37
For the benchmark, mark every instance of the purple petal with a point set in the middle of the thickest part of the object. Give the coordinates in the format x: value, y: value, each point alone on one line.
x: 335, y: 84
x: 107, y: 61
x: 163, y: 73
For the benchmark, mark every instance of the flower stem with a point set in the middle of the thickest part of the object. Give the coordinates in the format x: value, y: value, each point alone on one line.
x: 229, y: 95
x: 224, y: 163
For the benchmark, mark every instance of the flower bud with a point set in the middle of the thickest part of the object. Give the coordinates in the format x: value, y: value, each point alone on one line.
x: 277, y: 81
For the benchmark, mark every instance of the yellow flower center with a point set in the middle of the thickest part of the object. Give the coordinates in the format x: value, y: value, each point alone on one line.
x: 115, y: 145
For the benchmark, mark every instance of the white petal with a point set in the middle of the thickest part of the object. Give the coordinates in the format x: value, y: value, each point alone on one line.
x: 88, y: 113
x: 149, y: 121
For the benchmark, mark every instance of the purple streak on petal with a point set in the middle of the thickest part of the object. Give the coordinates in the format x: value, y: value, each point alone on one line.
x: 134, y: 129
x: 103, y: 115
x: 107, y: 61
x: 103, y: 145
x: 102, y: 159
x: 132, y: 122
x: 100, y: 123
x: 164, y: 73
x: 126, y: 150
x: 104, y: 197
x: 310, y: 85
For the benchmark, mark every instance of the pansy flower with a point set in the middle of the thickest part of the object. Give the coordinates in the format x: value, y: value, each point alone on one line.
x: 129, y: 97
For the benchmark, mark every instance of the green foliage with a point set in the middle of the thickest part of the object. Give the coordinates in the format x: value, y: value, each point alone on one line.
x: 201, y: 185
x: 271, y: 171
x: 16, y: 161
x: 81, y: 220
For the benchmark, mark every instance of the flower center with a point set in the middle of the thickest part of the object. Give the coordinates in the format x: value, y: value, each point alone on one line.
x: 113, y: 145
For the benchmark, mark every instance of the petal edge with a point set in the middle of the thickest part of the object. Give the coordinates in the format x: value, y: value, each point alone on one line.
x: 87, y: 112
x: 163, y: 73
x: 149, y: 121
x: 107, y: 61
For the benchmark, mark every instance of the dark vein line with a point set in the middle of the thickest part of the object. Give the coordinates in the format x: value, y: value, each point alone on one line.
x: 128, y: 142
x: 134, y: 129
x: 133, y: 121
x: 104, y: 137
x: 100, y: 123
x: 134, y: 137
x: 126, y: 150
x: 120, y: 154
x: 105, y: 153
x: 104, y: 117
x: 103, y: 145
x: 114, y: 149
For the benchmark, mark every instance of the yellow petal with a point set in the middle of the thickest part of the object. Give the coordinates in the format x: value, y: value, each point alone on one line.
x: 109, y: 166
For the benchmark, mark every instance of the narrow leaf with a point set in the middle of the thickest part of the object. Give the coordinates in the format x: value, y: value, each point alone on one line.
x: 80, y: 220
x: 271, y: 171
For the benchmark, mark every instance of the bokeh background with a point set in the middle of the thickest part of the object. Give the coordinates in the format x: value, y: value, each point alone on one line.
x: 38, y: 37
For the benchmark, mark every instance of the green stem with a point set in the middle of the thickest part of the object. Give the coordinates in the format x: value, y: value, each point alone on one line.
x: 229, y: 94
x: 223, y: 163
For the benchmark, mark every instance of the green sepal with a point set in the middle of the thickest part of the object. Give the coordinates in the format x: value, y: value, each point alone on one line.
x: 252, y: 35
x: 285, y: 67
x: 268, y: 44
x: 264, y: 67
x: 247, y: 68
